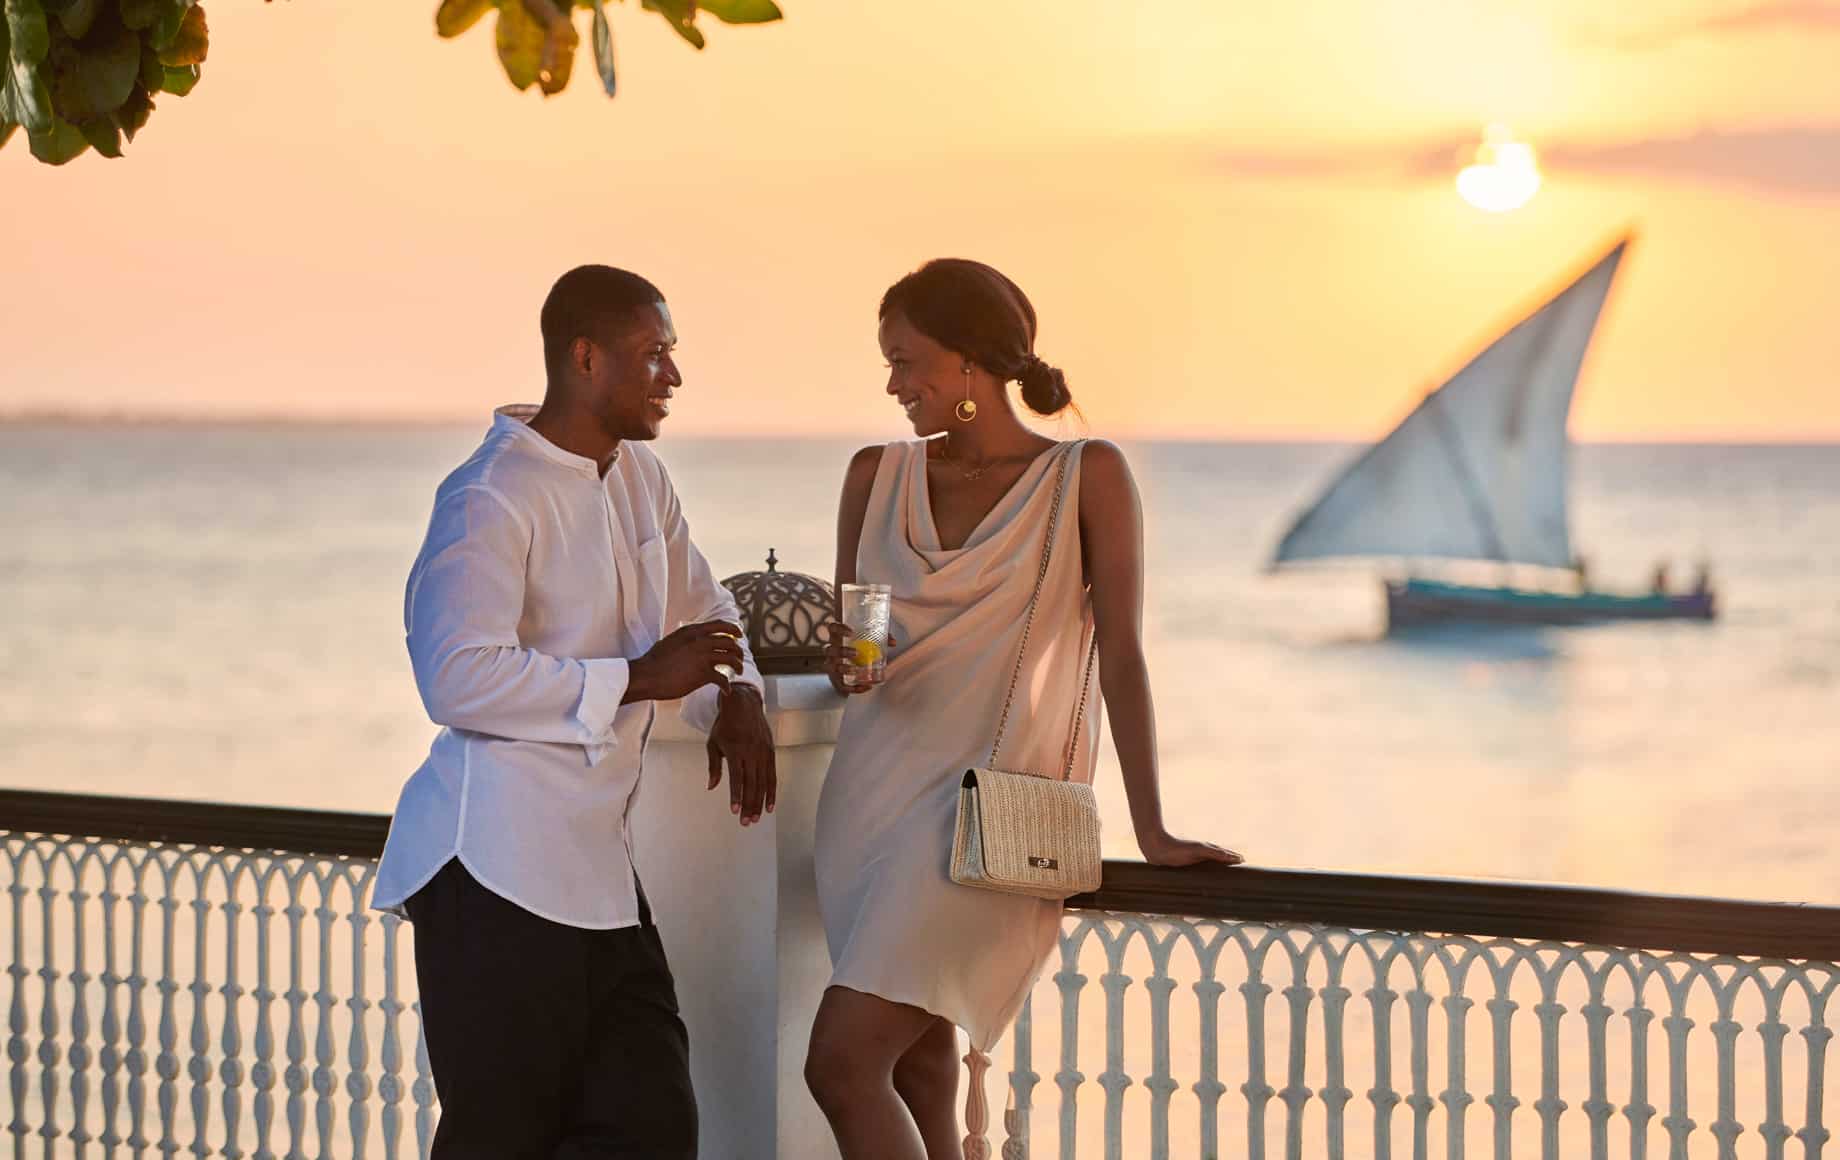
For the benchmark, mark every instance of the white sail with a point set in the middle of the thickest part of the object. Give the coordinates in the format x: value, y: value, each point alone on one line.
x: 1478, y: 470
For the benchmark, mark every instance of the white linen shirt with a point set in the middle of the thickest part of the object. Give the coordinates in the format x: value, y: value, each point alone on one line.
x: 538, y: 583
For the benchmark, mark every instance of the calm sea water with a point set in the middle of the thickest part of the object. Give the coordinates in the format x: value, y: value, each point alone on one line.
x: 215, y: 612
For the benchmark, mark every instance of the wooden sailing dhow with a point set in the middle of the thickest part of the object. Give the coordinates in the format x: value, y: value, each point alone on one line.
x: 1478, y: 471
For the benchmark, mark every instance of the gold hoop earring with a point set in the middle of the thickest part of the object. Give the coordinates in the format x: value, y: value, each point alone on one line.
x: 967, y: 410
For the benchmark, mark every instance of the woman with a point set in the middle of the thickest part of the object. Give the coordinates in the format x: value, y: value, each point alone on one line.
x: 956, y: 525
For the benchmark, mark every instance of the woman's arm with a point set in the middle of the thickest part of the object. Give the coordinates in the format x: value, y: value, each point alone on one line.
x: 1112, y: 541
x: 852, y: 507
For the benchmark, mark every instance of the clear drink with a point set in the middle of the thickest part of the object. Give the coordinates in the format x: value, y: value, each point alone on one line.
x: 865, y: 608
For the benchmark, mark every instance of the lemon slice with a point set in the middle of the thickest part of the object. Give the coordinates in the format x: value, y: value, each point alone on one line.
x: 867, y: 652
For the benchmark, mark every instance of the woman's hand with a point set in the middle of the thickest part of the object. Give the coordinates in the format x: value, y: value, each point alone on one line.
x: 840, y: 657
x: 1165, y: 849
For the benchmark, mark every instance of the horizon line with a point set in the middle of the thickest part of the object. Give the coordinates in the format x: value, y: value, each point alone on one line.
x: 1150, y: 434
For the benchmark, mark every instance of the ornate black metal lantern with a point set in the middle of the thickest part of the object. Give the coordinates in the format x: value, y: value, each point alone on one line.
x: 784, y: 614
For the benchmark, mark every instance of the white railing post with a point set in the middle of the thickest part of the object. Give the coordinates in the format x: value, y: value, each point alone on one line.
x: 390, y: 1086
x: 1113, y: 1080
x: 1208, y: 992
x: 1383, y: 1096
x: 1258, y: 1093
x: 358, y: 1085
x: 80, y: 979
x: 1022, y: 1081
x: 1161, y: 1082
x: 1070, y: 982
x: 1597, y: 1106
x: 263, y: 1073
x: 230, y: 1071
x: 198, y: 1069
x: 1549, y: 1012
x: 1455, y: 1096
x: 18, y: 1046
x: 1334, y: 1093
x: 48, y: 1055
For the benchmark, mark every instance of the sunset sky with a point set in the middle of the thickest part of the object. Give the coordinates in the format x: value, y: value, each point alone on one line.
x: 1235, y: 220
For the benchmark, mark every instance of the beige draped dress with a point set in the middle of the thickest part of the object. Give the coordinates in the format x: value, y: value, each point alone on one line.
x: 897, y: 925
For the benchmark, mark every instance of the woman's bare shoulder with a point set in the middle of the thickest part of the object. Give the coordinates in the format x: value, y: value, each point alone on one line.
x: 867, y: 460
x: 859, y: 478
x: 1102, y: 467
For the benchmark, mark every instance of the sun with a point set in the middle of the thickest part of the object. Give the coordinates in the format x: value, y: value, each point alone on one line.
x: 1504, y: 176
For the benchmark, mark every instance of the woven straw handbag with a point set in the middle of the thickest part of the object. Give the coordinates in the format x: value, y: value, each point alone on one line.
x: 1027, y: 833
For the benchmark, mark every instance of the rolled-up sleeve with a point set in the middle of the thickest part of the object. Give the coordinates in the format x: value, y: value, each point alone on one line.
x: 461, y: 611
x: 695, y: 596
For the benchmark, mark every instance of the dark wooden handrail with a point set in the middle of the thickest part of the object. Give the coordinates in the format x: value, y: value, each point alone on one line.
x: 1656, y: 922
x: 1619, y: 918
x: 132, y: 819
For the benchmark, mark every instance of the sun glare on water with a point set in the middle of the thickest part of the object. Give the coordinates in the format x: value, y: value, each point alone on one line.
x: 1504, y: 175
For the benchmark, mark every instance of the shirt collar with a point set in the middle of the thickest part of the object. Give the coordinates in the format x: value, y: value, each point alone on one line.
x: 514, y: 419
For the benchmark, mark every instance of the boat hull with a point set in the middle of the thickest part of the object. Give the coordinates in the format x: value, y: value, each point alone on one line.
x: 1416, y: 603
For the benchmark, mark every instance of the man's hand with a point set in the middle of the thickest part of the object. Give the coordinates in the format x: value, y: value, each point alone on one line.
x: 685, y: 661
x: 743, y: 737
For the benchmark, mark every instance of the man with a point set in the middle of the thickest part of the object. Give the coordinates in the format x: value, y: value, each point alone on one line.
x: 555, y: 601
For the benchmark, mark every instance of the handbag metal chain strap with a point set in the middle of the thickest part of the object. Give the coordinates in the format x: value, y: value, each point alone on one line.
x: 1092, y: 653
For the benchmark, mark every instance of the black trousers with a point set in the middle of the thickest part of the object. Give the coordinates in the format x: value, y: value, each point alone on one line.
x: 548, y: 1042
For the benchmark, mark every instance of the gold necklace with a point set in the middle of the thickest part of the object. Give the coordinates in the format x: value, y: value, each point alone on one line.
x: 969, y: 473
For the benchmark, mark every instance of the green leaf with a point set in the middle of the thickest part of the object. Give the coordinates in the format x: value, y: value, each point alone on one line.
x: 520, y: 43
x: 189, y: 44
x: 561, y: 46
x: 57, y: 144
x: 681, y: 16
x: 743, y: 11
x: 171, y: 18
x: 104, y: 136
x: 456, y: 16
x: 77, y: 16
x: 153, y: 73
x: 139, y: 14
x: 92, y: 79
x: 603, y: 46
x: 180, y: 81
x: 133, y: 114
x: 25, y: 23
x: 25, y: 99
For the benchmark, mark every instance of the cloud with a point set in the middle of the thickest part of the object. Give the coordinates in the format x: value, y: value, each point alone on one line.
x: 1798, y: 159
x: 1768, y: 16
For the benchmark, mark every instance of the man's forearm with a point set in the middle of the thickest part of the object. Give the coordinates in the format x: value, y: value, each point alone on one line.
x: 641, y: 682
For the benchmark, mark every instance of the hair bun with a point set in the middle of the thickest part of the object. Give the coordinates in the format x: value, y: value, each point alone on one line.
x: 1044, y: 387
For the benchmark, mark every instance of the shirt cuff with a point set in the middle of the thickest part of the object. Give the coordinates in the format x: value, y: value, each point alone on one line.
x: 603, y: 687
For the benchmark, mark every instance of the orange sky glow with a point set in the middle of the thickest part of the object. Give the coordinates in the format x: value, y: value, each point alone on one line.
x: 1235, y: 220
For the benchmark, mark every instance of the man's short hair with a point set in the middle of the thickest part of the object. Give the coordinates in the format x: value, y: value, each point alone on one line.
x: 590, y: 302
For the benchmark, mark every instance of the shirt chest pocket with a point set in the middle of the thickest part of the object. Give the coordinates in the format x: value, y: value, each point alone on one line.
x: 644, y: 595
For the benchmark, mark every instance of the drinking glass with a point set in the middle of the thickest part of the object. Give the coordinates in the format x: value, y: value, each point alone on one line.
x: 865, y: 608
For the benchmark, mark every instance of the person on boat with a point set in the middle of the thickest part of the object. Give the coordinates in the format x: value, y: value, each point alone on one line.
x: 1702, y: 578
x: 955, y: 525
x: 1660, y: 581
x: 1581, y: 568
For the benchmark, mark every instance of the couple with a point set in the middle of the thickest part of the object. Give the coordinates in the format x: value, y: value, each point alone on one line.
x: 558, y: 598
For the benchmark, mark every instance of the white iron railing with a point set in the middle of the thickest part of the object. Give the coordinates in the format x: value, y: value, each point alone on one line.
x: 1219, y: 1038
x: 177, y: 986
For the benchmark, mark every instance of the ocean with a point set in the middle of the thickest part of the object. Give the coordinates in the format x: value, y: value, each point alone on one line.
x: 214, y: 612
